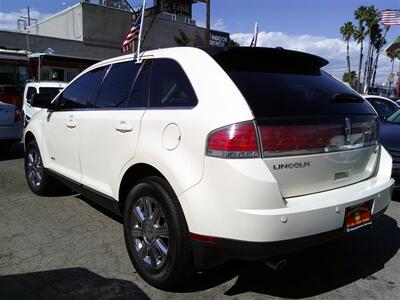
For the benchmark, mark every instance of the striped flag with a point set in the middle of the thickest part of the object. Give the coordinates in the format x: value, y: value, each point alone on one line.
x: 133, y: 33
x: 390, y: 17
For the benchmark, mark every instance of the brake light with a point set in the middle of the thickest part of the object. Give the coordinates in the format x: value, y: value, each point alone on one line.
x: 311, y: 139
x: 18, y: 116
x: 234, y: 141
x: 298, y: 137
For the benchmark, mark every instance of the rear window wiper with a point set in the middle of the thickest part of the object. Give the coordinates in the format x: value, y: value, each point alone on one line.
x: 347, y: 97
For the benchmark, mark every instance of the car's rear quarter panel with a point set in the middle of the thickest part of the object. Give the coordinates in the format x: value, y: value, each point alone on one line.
x: 219, y: 103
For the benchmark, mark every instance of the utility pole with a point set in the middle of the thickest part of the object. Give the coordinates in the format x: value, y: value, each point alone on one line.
x: 208, y: 21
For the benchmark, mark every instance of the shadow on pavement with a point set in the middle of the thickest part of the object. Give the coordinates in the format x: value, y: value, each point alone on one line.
x: 325, y: 268
x: 75, y: 283
x: 15, y: 152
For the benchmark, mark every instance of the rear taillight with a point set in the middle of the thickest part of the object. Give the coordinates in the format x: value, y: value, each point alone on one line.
x: 234, y: 141
x: 241, y: 141
x: 18, y: 116
x: 310, y: 139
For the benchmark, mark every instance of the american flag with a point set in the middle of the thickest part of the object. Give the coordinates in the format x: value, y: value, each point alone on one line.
x: 133, y: 33
x: 390, y: 17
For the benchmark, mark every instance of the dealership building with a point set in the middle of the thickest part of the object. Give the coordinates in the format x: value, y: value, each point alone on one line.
x: 62, y: 45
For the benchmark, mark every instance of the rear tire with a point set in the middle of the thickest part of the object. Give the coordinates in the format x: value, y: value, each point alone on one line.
x: 39, y: 180
x: 156, y: 234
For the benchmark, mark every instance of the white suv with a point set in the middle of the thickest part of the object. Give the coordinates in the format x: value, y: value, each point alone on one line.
x: 211, y: 154
x: 38, y: 87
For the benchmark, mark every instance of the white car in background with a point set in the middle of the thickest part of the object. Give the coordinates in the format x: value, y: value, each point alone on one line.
x: 213, y: 154
x: 383, y: 106
x: 11, y: 129
x: 38, y: 87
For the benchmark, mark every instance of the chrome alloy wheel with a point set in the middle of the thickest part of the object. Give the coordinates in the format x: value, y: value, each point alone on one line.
x: 150, y: 233
x: 34, y: 167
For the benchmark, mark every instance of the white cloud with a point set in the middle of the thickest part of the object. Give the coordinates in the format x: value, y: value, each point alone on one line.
x: 8, y: 20
x: 217, y: 25
x: 332, y: 49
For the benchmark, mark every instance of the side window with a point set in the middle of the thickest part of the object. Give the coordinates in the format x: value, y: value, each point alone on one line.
x: 117, y: 84
x: 140, y: 92
x: 29, y: 94
x: 169, y: 85
x: 80, y: 92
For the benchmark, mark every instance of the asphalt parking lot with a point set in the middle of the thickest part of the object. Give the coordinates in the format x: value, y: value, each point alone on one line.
x: 67, y: 248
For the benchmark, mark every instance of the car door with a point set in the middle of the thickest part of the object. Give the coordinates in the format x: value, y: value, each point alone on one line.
x: 110, y: 131
x: 63, y: 124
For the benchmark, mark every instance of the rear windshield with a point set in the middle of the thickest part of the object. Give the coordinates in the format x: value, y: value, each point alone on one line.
x: 292, y: 85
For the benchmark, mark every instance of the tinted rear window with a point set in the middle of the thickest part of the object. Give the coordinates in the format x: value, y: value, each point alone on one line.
x: 287, y: 83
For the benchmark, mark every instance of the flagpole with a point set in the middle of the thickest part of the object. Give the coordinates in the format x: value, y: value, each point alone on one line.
x: 255, y: 34
x: 140, y: 31
x: 133, y: 41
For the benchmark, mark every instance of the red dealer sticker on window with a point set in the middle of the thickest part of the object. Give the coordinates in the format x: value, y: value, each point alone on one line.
x: 358, y: 216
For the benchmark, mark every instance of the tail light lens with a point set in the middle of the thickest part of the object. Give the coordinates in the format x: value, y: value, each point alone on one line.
x: 234, y: 141
x: 311, y: 139
x: 18, y: 116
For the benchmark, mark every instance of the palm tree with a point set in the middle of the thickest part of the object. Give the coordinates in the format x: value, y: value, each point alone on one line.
x: 392, y: 56
x: 372, y: 23
x: 347, y: 31
x: 351, y: 78
x: 380, y: 42
x: 359, y: 35
x: 376, y: 40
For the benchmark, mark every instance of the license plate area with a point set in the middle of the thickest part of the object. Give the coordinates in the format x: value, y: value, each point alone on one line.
x: 358, y: 216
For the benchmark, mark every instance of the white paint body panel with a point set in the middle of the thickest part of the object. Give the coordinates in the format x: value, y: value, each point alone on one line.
x: 61, y: 143
x: 104, y: 151
x: 241, y: 200
x: 237, y: 199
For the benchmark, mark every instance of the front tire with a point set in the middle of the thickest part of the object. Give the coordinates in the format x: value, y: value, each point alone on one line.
x: 39, y: 180
x: 156, y: 234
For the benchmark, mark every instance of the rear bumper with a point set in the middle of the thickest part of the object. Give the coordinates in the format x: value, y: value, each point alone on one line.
x: 207, y: 254
x: 396, y: 176
x: 12, y: 133
x: 240, y: 201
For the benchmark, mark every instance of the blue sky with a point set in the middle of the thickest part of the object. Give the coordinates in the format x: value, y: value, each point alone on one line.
x: 307, y: 25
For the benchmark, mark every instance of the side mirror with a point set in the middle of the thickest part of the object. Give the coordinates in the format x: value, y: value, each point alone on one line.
x: 41, y: 101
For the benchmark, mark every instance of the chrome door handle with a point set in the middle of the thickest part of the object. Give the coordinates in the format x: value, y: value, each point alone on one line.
x: 71, y: 124
x: 124, y: 127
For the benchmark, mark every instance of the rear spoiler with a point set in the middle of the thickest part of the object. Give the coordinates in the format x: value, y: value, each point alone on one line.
x: 266, y: 59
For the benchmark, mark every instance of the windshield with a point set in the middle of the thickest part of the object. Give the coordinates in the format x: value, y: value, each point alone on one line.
x: 50, y: 91
x: 394, y: 118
